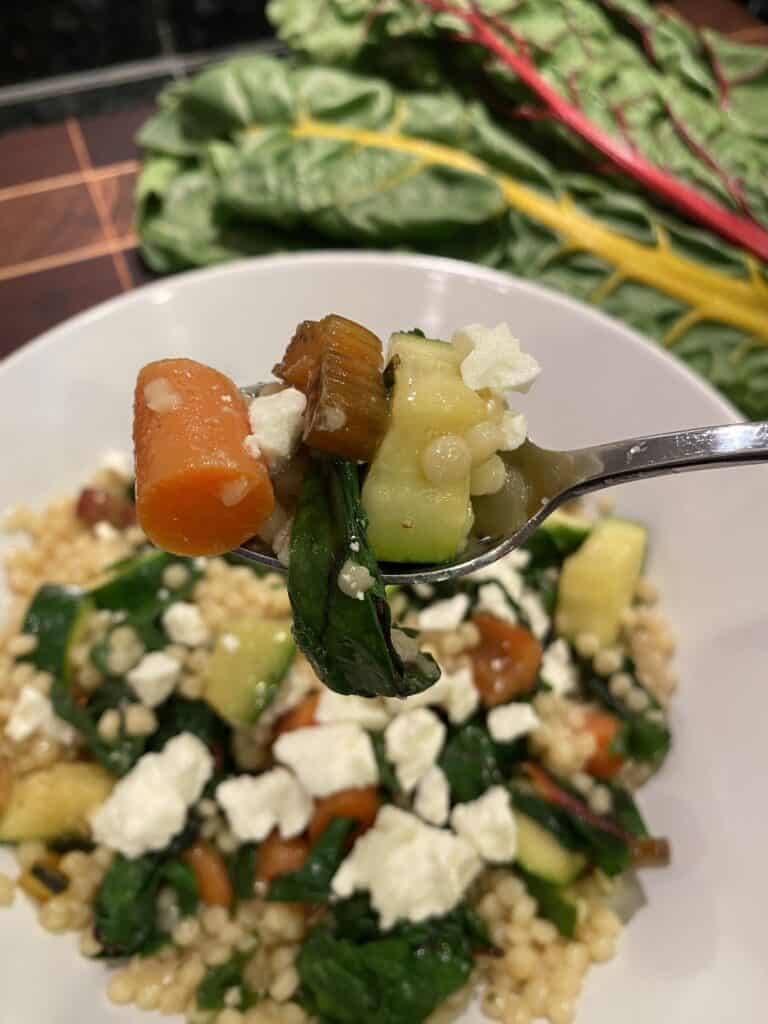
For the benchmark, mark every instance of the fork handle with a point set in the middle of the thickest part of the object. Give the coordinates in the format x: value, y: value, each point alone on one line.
x: 677, y: 452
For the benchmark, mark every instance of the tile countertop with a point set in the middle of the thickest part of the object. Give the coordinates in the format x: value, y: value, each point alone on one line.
x: 66, y: 204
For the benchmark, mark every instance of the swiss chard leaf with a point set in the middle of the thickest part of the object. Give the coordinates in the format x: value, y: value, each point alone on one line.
x: 445, y: 176
x: 241, y: 866
x: 124, y: 908
x: 183, y: 881
x: 553, y: 903
x: 219, y: 980
x: 136, y: 586
x: 470, y: 763
x: 348, y: 641
x: 399, y: 978
x: 388, y: 780
x: 311, y: 883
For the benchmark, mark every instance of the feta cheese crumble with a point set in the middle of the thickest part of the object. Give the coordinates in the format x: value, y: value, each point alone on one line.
x: 33, y: 712
x: 413, y: 742
x: 494, y: 359
x: 488, y: 824
x: 255, y: 804
x: 491, y: 598
x: 432, y: 800
x: 327, y: 758
x: 277, y: 421
x: 354, y: 580
x: 119, y: 463
x: 447, y: 614
x: 558, y: 669
x: 455, y: 692
x: 184, y: 624
x: 368, y: 712
x: 149, y: 805
x: 514, y: 429
x: 154, y: 678
x: 412, y: 871
x: 511, y: 721
x: 160, y: 396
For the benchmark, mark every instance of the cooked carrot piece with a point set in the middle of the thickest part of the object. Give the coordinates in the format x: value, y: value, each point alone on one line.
x: 603, y: 726
x: 277, y: 856
x: 361, y: 804
x: 337, y: 364
x: 213, y: 884
x: 506, y: 662
x: 198, y: 491
x: 299, y: 717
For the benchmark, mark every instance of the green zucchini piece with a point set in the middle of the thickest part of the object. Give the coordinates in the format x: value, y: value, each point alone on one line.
x: 540, y: 853
x: 411, y: 519
x: 54, y: 802
x: 597, y: 582
x: 247, y: 666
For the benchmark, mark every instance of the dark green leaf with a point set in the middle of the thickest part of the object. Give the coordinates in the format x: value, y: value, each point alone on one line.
x: 219, y: 980
x: 552, y: 903
x: 470, y: 763
x: 124, y: 908
x: 182, y: 880
x: 387, y: 776
x: 241, y: 866
x: 348, y: 641
x: 311, y: 883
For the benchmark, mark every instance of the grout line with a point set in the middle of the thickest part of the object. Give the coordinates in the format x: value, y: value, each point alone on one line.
x: 86, y: 252
x: 80, y: 147
x: 30, y: 188
x: 757, y: 34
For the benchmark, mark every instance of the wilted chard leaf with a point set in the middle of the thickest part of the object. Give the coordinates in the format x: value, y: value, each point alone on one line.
x: 312, y: 155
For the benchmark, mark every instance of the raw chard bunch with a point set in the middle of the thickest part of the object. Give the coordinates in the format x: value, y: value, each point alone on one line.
x: 674, y: 109
x: 257, y: 155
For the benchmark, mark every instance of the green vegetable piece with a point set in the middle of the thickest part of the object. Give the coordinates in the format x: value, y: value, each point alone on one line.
x: 180, y: 714
x: 388, y: 780
x: 470, y: 763
x: 241, y: 866
x: 124, y: 908
x: 644, y: 735
x: 597, y: 582
x: 311, y: 883
x: 625, y: 811
x: 182, y: 880
x: 56, y: 616
x: 135, y: 585
x: 244, y: 673
x: 540, y: 853
x: 552, y: 903
x: 410, y: 518
x: 399, y: 978
x: 219, y: 980
x: 348, y: 641
x: 558, y: 536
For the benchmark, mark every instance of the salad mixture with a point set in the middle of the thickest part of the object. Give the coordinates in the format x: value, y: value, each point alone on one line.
x: 342, y: 464
x: 246, y: 846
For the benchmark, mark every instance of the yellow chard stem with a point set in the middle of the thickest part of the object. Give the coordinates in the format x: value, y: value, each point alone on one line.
x: 709, y: 294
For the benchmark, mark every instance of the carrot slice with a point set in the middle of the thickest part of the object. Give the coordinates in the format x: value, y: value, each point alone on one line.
x: 507, y: 660
x: 362, y: 804
x: 604, y: 763
x: 337, y: 364
x: 198, y: 491
x: 300, y: 716
x: 213, y: 882
x: 277, y: 856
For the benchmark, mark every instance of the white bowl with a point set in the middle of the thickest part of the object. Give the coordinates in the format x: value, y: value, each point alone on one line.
x: 698, y: 951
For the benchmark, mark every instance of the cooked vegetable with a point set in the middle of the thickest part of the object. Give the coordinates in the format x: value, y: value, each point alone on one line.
x: 198, y: 491
x: 95, y: 505
x: 213, y: 989
x: 397, y: 978
x: 300, y: 716
x: 598, y: 582
x: 470, y: 763
x: 436, y: 172
x: 53, y: 802
x: 506, y: 663
x: 247, y: 666
x: 643, y: 735
x: 124, y: 908
x: 311, y: 882
x: 605, y: 92
x: 183, y: 880
x: 43, y: 879
x: 277, y: 856
x: 541, y: 853
x: 603, y: 727
x: 650, y: 852
x: 337, y: 364
x: 135, y: 587
x: 553, y: 903
x: 413, y: 518
x: 360, y: 805
x: 348, y: 641
x: 559, y: 535
x: 210, y: 870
